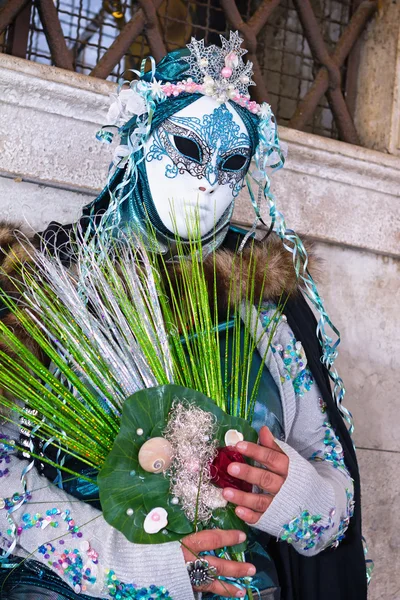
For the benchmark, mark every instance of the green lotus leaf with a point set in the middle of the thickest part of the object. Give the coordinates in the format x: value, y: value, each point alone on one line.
x: 124, y: 485
x: 226, y: 518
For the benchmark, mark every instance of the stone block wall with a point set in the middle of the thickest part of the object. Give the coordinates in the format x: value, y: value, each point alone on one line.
x: 345, y: 198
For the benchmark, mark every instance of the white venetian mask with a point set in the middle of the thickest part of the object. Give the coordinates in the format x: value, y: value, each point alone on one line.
x: 196, y: 162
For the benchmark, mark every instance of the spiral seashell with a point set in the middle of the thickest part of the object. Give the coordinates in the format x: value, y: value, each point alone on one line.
x: 155, y: 455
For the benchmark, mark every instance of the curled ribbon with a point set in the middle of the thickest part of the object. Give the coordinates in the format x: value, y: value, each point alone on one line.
x: 269, y: 153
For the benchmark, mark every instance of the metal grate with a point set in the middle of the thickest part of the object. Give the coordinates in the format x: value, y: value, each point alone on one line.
x: 286, y: 61
x: 89, y: 28
x: 299, y: 47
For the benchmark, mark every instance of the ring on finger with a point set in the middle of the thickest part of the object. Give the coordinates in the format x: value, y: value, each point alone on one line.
x: 200, y: 572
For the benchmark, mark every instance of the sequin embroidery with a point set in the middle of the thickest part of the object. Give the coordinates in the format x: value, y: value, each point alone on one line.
x: 333, y: 452
x: 49, y: 518
x: 344, y: 522
x: 121, y: 591
x: 305, y: 530
x: 292, y: 354
x: 70, y: 564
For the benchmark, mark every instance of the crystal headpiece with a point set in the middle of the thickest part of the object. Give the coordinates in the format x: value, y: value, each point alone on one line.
x: 221, y: 71
x: 216, y: 72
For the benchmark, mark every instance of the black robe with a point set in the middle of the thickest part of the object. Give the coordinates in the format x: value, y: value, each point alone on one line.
x: 334, y: 574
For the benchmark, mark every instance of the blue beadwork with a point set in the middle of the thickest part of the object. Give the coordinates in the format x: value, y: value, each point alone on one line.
x: 333, y: 452
x: 344, y: 522
x: 121, y: 591
x: 70, y: 564
x: 216, y: 133
x: 303, y: 382
x: 292, y: 354
x: 305, y: 530
x: 6, y: 448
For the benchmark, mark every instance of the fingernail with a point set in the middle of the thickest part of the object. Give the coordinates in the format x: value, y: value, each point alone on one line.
x: 241, y: 446
x: 240, y: 593
x: 242, y: 537
x: 240, y: 512
x: 234, y: 469
x: 228, y: 494
x: 251, y: 571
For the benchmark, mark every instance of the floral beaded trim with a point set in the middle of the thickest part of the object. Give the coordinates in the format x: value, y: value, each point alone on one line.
x: 121, y: 591
x: 292, y: 354
x: 50, y: 518
x: 305, y: 530
x: 6, y: 447
x: 333, y: 452
x: 344, y: 522
x: 77, y: 571
x: 78, y: 564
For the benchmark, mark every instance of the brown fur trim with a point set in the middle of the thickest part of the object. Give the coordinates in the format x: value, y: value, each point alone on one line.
x: 14, y: 251
x: 15, y: 326
x: 269, y: 261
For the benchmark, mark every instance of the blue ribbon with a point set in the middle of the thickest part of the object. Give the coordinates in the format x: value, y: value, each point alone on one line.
x: 269, y: 146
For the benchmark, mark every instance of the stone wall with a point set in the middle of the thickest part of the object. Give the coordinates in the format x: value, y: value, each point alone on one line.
x: 345, y: 198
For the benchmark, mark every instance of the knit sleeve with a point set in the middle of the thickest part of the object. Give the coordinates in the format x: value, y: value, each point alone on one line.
x: 315, y: 504
x: 70, y: 537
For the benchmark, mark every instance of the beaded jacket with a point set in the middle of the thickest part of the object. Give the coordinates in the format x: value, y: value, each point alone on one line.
x: 310, y: 534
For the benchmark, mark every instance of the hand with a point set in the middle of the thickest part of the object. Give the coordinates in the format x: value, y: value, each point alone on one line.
x: 212, y: 539
x: 251, y: 506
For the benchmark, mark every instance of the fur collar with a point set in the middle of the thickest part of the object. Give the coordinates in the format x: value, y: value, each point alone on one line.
x: 271, y: 263
x: 268, y: 260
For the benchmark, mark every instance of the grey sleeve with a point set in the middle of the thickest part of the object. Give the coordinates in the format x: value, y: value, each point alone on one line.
x: 73, y: 539
x: 313, y: 508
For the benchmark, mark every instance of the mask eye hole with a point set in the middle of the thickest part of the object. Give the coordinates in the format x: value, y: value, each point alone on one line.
x: 234, y: 162
x: 188, y: 148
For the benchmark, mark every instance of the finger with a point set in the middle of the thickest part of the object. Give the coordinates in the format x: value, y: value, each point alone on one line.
x: 247, y: 515
x: 267, y: 481
x: 257, y: 502
x: 224, y: 589
x: 267, y: 439
x: 275, y: 461
x: 212, y: 539
x: 231, y: 568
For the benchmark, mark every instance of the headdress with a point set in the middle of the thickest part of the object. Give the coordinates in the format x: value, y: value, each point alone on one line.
x: 140, y: 106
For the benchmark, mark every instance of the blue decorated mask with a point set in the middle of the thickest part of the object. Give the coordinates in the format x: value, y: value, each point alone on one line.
x: 196, y: 161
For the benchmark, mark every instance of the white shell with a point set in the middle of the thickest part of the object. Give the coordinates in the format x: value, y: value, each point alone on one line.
x: 156, y: 520
x: 155, y: 455
x: 232, y: 437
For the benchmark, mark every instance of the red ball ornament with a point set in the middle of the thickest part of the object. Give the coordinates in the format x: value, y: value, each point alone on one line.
x: 219, y: 469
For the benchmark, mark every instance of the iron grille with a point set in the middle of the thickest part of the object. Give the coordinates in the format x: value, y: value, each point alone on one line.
x: 290, y: 41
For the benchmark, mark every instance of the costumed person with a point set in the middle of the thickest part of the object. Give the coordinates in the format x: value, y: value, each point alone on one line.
x: 188, y: 135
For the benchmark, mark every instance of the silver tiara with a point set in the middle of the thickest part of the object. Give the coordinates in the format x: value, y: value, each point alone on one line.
x: 221, y: 71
